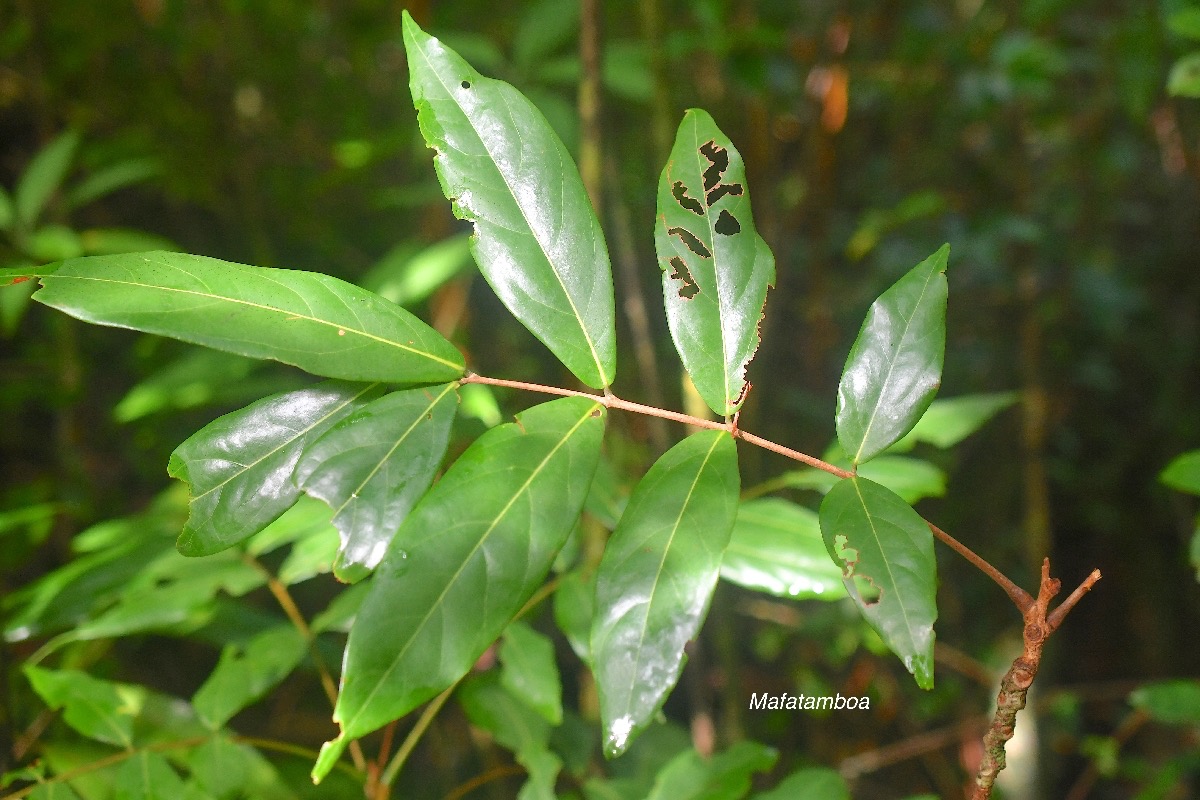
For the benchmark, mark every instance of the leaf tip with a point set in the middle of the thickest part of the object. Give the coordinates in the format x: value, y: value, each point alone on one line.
x: 331, y: 751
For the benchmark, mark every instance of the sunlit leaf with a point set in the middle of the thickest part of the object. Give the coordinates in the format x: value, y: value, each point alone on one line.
x: 875, y: 536
x: 529, y: 671
x: 405, y: 277
x: 716, y: 269
x: 1184, y: 80
x: 776, y: 547
x: 657, y: 577
x: 239, y: 468
x: 725, y: 776
x: 537, y: 239
x: 474, y: 548
x: 1175, y: 702
x: 895, y: 366
x: 371, y: 468
x: 43, y: 176
x: 812, y: 783
x: 246, y: 672
x: 98, y: 709
x: 315, y: 322
x: 947, y: 422
x: 1183, y: 473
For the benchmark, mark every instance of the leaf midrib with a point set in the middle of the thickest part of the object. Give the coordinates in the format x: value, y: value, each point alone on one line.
x: 261, y: 306
x: 347, y: 725
x: 600, y: 371
x: 892, y: 366
x: 887, y: 564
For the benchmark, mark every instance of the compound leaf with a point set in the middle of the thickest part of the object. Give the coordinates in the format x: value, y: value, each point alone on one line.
x: 716, y: 269
x: 874, y: 535
x: 656, y: 579
x: 895, y: 366
x: 315, y: 322
x: 373, y: 466
x: 473, y: 550
x: 240, y: 466
x: 537, y: 240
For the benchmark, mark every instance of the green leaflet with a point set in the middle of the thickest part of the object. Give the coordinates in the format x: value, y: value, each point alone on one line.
x: 895, y: 366
x: 874, y: 535
x: 776, y: 548
x: 98, y: 709
x: 492, y: 706
x: 148, y: 776
x: 948, y: 421
x: 43, y: 177
x: 239, y: 467
x: 530, y: 672
x: 475, y: 548
x: 315, y: 322
x: 725, y: 776
x: 371, y: 468
x: 537, y: 240
x: 1173, y: 702
x: 1183, y: 473
x: 812, y: 783
x: 656, y: 579
x: 246, y: 672
x: 716, y: 268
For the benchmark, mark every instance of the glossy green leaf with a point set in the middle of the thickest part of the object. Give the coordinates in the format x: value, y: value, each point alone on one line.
x: 657, y: 577
x: 1183, y: 473
x: 405, y: 277
x: 373, y: 466
x: 776, y: 547
x: 239, y: 468
x: 1184, y: 79
x: 875, y: 536
x: 716, y: 269
x: 725, y: 776
x: 146, y: 775
x: 475, y: 548
x: 537, y: 240
x: 516, y: 726
x: 43, y: 176
x: 812, y: 783
x: 315, y: 322
x: 529, y: 672
x: 1175, y: 702
x: 99, y: 710
x: 246, y: 672
x: 895, y: 366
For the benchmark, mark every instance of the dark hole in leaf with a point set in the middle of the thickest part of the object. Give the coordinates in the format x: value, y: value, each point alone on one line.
x: 595, y: 412
x: 689, y: 288
x: 727, y: 225
x: 850, y: 557
x: 466, y: 84
x: 679, y: 191
x: 716, y: 194
x: 693, y: 244
x: 718, y: 159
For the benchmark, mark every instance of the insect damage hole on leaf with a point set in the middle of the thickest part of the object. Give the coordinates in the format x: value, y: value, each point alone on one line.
x: 689, y: 289
x: 693, y: 243
x: 727, y: 225
x: 465, y: 84
x: 718, y: 159
x: 679, y: 192
x: 849, y: 556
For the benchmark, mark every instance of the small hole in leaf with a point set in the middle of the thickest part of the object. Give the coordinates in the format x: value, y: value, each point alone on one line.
x: 596, y: 412
x: 693, y: 244
x: 727, y: 225
x: 718, y: 159
x: 465, y: 84
x: 716, y: 194
x: 679, y: 192
x: 689, y: 289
